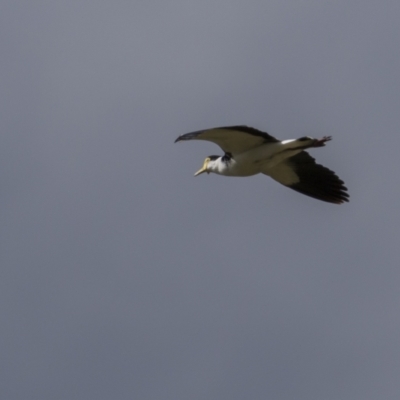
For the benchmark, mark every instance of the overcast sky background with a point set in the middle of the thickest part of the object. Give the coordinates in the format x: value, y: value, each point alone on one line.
x: 122, y: 275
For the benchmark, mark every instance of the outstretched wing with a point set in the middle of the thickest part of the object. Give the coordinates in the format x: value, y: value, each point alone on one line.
x: 231, y: 139
x: 303, y: 174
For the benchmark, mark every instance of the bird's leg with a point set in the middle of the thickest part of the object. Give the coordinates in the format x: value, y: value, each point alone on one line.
x: 305, y: 142
x: 321, y: 142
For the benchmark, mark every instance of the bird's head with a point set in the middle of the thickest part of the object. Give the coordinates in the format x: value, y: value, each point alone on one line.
x: 207, y: 165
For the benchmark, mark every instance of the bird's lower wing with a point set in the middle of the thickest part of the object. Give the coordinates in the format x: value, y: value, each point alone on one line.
x: 303, y: 174
x: 231, y: 139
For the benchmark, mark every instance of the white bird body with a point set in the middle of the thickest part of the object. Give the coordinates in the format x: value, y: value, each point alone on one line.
x: 249, y: 151
x: 254, y: 161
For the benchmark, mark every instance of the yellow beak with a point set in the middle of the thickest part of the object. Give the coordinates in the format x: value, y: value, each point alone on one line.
x: 203, y: 168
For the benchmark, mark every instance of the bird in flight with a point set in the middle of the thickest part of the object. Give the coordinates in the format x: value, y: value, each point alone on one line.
x: 249, y: 151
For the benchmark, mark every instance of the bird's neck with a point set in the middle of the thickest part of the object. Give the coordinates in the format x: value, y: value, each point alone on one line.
x: 221, y: 165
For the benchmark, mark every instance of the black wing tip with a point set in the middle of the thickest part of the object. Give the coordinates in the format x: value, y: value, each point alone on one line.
x: 341, y: 199
x: 317, y: 181
x: 188, y: 136
x: 322, y: 184
x: 195, y: 134
x: 333, y: 198
x: 335, y: 194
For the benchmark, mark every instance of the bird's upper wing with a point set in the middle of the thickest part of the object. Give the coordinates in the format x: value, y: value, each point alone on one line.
x: 303, y: 174
x: 231, y: 139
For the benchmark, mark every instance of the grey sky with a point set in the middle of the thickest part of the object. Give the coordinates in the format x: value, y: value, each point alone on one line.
x: 122, y: 276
